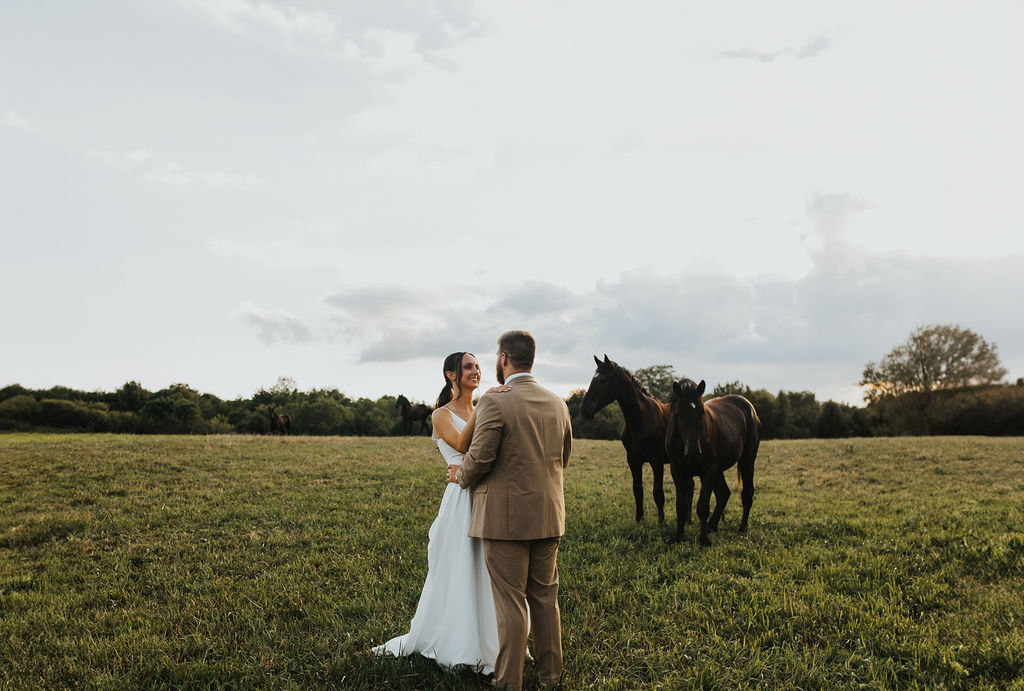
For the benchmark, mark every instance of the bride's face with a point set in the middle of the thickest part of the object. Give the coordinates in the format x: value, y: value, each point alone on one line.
x: 469, y: 377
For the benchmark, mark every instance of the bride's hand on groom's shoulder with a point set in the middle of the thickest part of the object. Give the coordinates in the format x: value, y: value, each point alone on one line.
x: 503, y: 388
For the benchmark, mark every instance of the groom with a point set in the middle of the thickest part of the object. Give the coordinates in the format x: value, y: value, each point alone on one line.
x: 520, y: 445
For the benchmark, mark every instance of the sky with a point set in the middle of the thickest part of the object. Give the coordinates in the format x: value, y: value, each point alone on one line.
x: 225, y: 192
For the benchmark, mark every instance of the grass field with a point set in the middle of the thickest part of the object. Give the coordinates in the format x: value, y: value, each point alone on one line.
x: 132, y: 561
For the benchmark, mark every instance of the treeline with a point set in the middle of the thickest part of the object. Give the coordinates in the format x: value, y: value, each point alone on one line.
x: 996, y: 409
x: 179, y: 409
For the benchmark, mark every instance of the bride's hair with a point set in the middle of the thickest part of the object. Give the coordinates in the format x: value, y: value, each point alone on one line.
x: 452, y: 363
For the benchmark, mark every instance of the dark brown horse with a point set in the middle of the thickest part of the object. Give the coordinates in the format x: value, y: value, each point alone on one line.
x: 279, y: 424
x: 643, y: 435
x: 705, y: 439
x: 411, y: 412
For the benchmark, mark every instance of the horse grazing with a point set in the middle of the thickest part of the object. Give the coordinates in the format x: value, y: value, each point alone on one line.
x: 705, y: 439
x: 643, y: 435
x: 279, y: 424
x: 411, y: 412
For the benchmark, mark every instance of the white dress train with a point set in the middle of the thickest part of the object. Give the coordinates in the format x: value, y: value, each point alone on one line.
x: 455, y: 622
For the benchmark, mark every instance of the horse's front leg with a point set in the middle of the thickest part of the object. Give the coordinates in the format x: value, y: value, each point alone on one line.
x: 637, y: 470
x: 688, y: 499
x: 684, y: 497
x: 707, y: 481
x: 721, y: 498
x: 659, y: 488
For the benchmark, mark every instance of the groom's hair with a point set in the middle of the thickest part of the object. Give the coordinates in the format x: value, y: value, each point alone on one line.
x: 520, y: 348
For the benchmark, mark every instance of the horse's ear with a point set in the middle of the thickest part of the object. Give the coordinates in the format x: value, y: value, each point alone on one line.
x: 676, y: 389
x: 606, y: 360
x: 597, y: 361
x: 700, y: 388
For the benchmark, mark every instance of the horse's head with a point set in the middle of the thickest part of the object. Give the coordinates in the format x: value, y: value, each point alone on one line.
x: 687, y: 405
x: 401, y: 402
x: 601, y: 391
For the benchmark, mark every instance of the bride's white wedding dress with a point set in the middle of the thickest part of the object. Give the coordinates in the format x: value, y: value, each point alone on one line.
x: 455, y: 622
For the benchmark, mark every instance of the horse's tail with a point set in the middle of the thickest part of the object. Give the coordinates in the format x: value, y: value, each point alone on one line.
x: 753, y: 440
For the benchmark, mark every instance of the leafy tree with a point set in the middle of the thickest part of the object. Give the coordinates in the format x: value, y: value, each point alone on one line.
x: 174, y: 410
x: 782, y: 422
x: 936, y: 357
x: 658, y: 380
x: 13, y: 390
x: 219, y: 425
x: 373, y: 418
x: 804, y: 413
x: 733, y: 387
x: 65, y: 413
x: 20, y: 407
x: 212, y: 406
x: 62, y: 393
x: 319, y: 414
x: 280, y: 394
x: 840, y: 420
x: 131, y: 397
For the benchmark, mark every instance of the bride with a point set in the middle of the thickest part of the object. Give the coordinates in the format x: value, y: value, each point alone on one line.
x: 455, y: 622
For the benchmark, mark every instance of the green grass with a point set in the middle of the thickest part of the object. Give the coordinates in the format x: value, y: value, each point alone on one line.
x: 132, y: 561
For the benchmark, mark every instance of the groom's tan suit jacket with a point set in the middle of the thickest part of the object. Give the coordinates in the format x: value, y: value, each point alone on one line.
x: 521, y: 443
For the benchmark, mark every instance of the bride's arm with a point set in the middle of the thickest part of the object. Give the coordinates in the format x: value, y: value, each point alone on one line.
x: 466, y: 435
x: 444, y: 428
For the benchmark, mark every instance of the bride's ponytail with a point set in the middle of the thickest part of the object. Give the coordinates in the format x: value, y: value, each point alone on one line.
x: 452, y: 363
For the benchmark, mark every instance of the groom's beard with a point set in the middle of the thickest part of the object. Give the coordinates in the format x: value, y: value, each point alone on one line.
x: 501, y: 375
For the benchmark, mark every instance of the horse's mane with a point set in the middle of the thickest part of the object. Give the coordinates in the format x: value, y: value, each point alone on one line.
x: 630, y: 379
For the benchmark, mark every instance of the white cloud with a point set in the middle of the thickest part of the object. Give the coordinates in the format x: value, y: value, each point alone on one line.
x: 814, y: 47
x: 16, y: 121
x: 292, y: 26
x: 118, y: 158
x: 386, y: 40
x: 174, y: 174
x: 536, y: 298
x: 389, y: 53
x: 274, y: 325
x: 383, y: 304
x: 811, y: 49
x: 814, y: 332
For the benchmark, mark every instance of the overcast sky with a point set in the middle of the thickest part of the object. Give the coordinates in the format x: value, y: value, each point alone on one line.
x: 222, y: 192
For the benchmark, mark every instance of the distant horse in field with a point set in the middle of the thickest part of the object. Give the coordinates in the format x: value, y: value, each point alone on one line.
x: 279, y: 424
x: 643, y: 435
x: 705, y: 439
x: 411, y: 412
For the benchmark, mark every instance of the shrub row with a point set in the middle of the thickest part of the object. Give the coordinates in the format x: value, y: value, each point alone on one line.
x: 179, y: 409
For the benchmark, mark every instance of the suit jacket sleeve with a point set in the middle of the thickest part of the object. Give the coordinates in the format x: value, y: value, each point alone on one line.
x: 484, y: 448
x: 567, y: 442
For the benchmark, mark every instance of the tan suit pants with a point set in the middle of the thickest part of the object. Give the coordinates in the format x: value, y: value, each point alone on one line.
x: 521, y: 572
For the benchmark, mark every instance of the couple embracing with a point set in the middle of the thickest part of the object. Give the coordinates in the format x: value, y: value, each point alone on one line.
x: 492, y: 553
